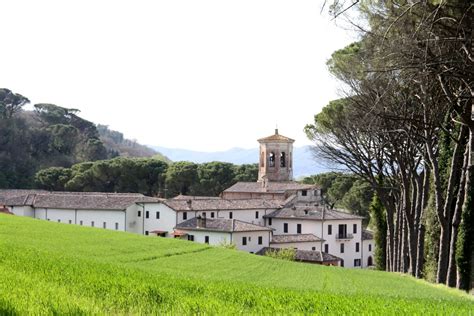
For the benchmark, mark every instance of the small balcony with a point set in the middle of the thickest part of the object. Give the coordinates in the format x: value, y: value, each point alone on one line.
x: 344, y: 236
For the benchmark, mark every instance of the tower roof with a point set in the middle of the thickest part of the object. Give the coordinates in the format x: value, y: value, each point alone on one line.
x: 276, y: 138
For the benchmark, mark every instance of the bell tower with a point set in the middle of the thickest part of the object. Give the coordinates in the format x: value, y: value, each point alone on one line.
x: 276, y: 158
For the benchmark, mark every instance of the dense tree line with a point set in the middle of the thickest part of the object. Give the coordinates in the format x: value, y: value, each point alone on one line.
x: 406, y: 126
x: 148, y: 176
x: 344, y: 190
x: 48, y: 136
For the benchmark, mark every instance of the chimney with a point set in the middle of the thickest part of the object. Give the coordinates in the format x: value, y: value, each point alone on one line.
x: 276, y: 131
x: 190, y: 204
x: 200, y: 221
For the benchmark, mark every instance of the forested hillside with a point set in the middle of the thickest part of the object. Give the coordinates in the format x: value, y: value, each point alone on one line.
x: 52, y: 136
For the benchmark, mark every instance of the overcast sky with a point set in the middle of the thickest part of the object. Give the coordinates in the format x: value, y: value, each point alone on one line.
x: 202, y: 75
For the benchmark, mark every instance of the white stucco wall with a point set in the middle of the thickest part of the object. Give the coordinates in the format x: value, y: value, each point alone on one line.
x: 350, y: 253
x: 165, y: 222
x: 307, y: 226
x: 299, y: 245
x: 319, y: 229
x: 252, y: 240
x: 22, y: 210
x: 215, y: 238
x: 366, y: 253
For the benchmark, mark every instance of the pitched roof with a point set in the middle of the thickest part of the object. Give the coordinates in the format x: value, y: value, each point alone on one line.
x: 220, y: 225
x: 305, y: 255
x: 311, y: 212
x: 367, y: 235
x: 75, y: 200
x: 270, y: 187
x: 6, y: 194
x: 221, y: 204
x: 195, y: 197
x: 281, y: 239
x: 276, y: 138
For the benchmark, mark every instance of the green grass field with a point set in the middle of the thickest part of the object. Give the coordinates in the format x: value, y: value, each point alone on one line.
x: 50, y: 268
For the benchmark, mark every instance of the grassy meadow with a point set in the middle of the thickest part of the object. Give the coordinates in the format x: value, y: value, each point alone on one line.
x: 51, y: 268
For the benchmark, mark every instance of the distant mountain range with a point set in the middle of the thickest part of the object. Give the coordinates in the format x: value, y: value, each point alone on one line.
x: 303, y: 161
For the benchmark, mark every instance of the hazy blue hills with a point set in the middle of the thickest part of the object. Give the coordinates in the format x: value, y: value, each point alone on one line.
x: 304, y: 163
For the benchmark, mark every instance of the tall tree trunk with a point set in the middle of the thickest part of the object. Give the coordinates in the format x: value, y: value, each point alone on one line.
x: 451, y: 277
x: 465, y: 247
x: 421, y: 228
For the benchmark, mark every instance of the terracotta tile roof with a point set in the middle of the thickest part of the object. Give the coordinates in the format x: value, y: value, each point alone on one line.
x: 281, y: 239
x: 221, y: 204
x: 75, y: 200
x: 271, y: 187
x: 220, y: 225
x: 311, y: 213
x: 276, y: 138
x: 367, y: 235
x: 6, y: 194
x: 306, y: 255
x: 194, y: 197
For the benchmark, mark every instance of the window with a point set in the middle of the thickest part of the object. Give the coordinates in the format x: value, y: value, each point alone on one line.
x: 116, y: 226
x: 342, y: 231
x: 139, y: 213
x: 304, y: 193
x: 271, y: 159
x: 298, y: 228
x: 329, y: 229
x: 244, y: 241
x: 80, y: 223
x: 191, y: 237
x: 185, y: 215
x: 326, y: 248
x: 230, y: 215
x: 342, y: 248
x: 357, y: 247
x: 157, y: 215
x: 356, y: 262
x: 147, y: 233
x: 212, y: 214
x: 370, y: 247
x: 70, y: 221
x: 104, y: 225
x: 313, y: 248
x: 354, y: 228
x: 260, y: 240
x: 285, y: 227
x: 203, y: 214
x: 92, y: 223
x: 206, y: 239
x: 270, y: 221
x: 282, y: 159
x: 147, y: 214
x: 256, y: 214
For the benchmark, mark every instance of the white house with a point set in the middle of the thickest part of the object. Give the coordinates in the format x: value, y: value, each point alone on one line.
x: 216, y: 231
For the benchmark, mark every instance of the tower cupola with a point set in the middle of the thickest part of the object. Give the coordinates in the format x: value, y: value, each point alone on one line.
x: 276, y: 158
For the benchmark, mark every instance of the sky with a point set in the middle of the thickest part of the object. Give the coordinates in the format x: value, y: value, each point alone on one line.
x: 200, y: 75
